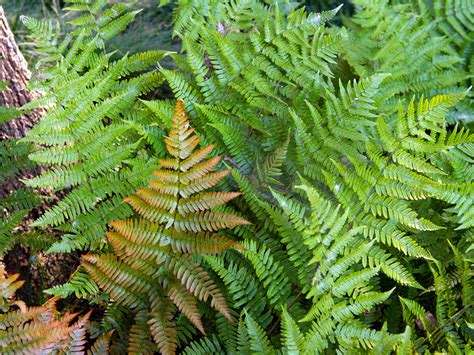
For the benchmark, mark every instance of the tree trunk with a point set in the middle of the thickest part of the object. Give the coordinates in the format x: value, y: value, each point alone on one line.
x: 14, y: 70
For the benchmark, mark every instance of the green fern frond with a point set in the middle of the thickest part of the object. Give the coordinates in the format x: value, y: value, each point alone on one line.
x: 204, y: 346
x: 293, y: 338
x: 398, y: 39
x: 259, y: 342
x: 269, y: 271
x: 80, y: 284
x: 242, y: 286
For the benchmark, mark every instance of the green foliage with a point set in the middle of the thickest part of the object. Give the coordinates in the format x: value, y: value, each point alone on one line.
x: 15, y: 202
x: 417, y: 43
x: 374, y: 144
x: 351, y: 148
x: 85, y: 138
x: 340, y: 289
x: 448, y: 327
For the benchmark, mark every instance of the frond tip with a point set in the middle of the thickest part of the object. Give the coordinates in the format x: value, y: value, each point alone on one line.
x: 152, y: 268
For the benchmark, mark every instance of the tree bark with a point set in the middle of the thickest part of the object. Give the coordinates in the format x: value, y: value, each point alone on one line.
x: 14, y: 70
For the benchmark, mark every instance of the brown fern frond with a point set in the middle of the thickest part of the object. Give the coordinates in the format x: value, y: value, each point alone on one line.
x: 200, y: 169
x: 38, y: 330
x: 194, y: 159
x: 152, y: 267
x: 101, y: 345
x: 186, y: 303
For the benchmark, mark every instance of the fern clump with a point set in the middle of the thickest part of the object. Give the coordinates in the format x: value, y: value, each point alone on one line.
x: 401, y: 162
x: 338, y: 282
x: 351, y: 148
x: 32, y: 330
x: 346, y: 109
x: 152, y: 269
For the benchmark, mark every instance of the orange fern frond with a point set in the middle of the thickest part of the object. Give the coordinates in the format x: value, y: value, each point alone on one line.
x: 186, y: 303
x: 152, y: 269
x: 38, y: 330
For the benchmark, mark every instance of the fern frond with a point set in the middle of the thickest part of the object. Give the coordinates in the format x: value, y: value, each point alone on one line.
x: 293, y: 338
x: 207, y: 345
x: 270, y: 272
x: 174, y: 219
x: 161, y: 324
x: 259, y: 342
x: 37, y: 329
x: 101, y: 344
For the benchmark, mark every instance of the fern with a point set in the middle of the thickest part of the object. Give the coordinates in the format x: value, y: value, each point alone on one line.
x: 358, y: 187
x: 447, y: 329
x: 254, y: 72
x: 84, y: 137
x: 244, y: 288
x: 152, y: 268
x: 15, y: 201
x: 374, y: 186
x: 454, y: 20
x: 79, y: 284
x: 294, y: 341
x: 38, y: 329
x: 336, y: 252
x: 339, y: 288
x: 258, y: 68
x: 399, y: 39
